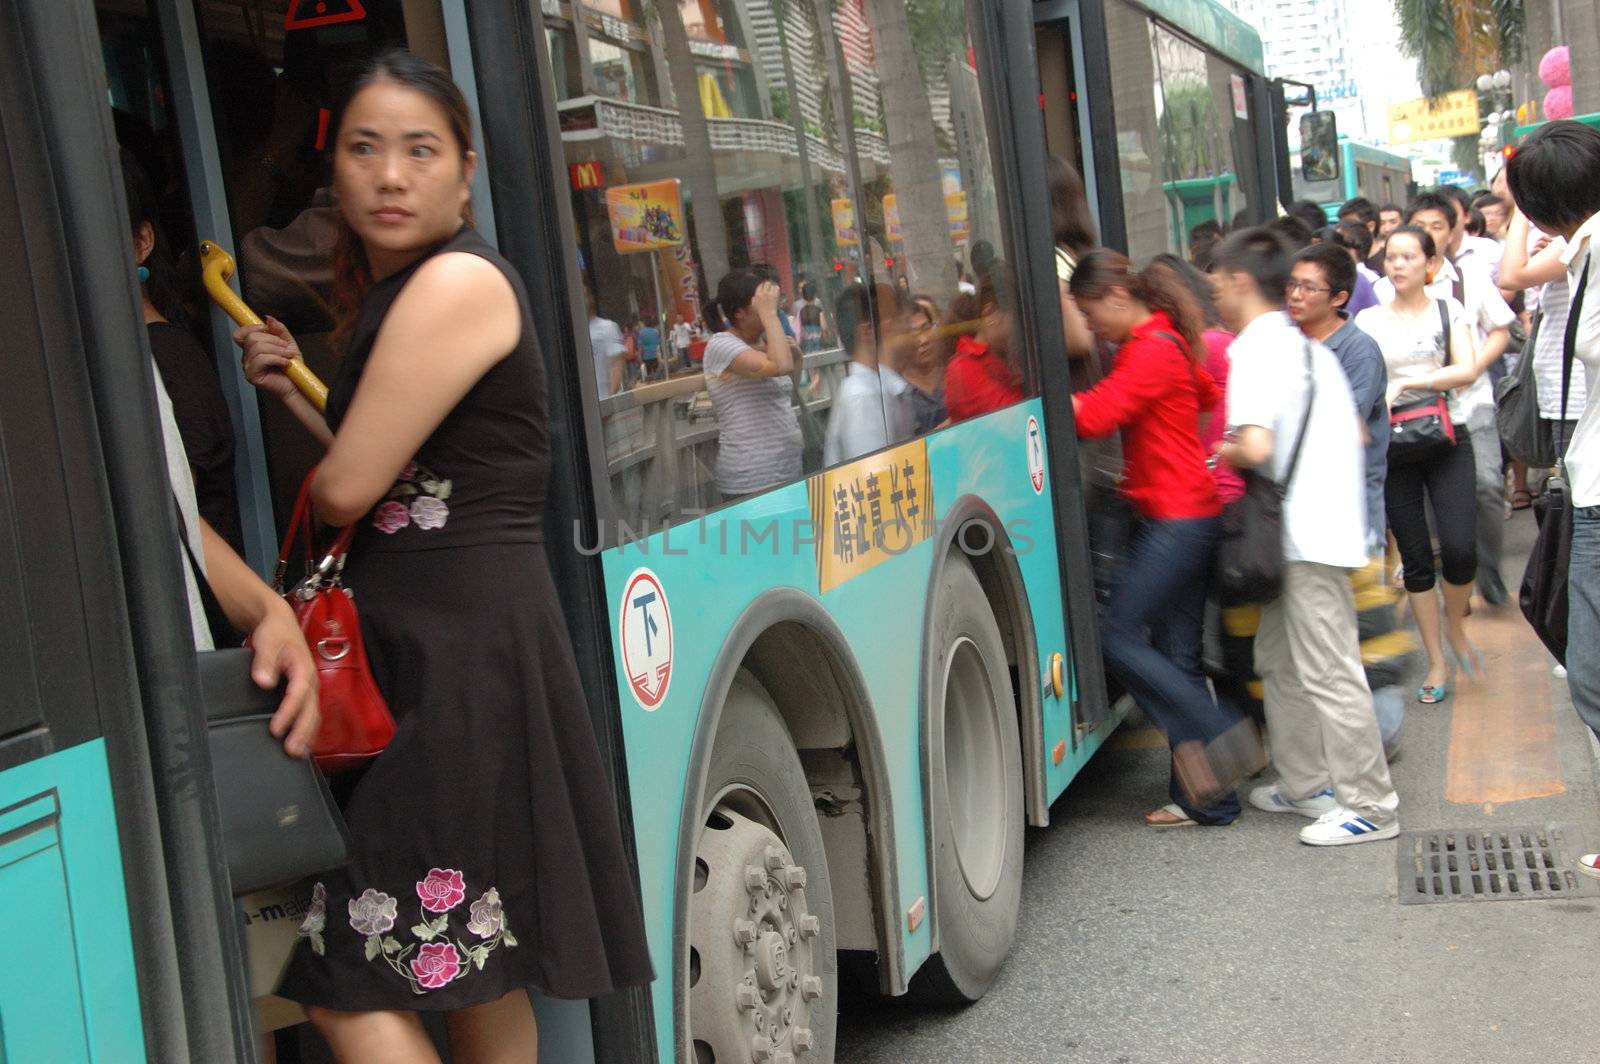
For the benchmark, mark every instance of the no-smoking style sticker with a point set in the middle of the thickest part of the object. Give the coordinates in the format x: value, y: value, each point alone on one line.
x: 645, y: 629
x: 1035, y: 456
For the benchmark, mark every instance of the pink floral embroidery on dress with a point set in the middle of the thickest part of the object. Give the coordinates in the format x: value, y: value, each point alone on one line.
x: 437, y: 958
x: 417, y: 498
x: 442, y: 890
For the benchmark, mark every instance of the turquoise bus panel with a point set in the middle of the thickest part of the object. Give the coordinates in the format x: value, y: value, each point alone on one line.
x: 77, y: 997
x: 686, y: 587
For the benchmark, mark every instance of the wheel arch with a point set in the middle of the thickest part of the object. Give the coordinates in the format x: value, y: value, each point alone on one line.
x: 1001, y: 579
x: 763, y: 642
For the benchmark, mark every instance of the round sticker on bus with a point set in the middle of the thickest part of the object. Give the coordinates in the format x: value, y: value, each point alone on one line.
x: 1035, y: 455
x: 645, y: 629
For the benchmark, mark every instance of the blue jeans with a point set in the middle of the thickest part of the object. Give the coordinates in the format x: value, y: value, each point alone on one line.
x: 1583, y: 616
x: 1152, y: 634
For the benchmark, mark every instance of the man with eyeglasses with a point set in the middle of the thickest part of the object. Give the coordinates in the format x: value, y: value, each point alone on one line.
x: 1320, y: 285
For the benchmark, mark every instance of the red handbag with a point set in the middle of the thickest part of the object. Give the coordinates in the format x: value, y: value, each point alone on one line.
x: 356, y: 722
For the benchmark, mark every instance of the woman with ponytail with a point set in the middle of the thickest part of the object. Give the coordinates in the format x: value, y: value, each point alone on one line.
x: 486, y: 855
x: 1156, y: 394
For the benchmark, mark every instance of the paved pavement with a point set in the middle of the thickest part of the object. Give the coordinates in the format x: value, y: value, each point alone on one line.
x: 1240, y: 945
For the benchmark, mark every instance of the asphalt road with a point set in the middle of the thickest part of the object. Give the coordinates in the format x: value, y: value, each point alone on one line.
x: 1239, y: 944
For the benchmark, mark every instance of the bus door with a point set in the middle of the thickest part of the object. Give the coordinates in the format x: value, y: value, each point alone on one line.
x: 227, y: 105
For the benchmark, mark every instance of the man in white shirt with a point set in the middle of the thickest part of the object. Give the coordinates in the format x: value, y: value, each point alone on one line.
x: 872, y: 407
x: 1553, y: 179
x: 1288, y: 394
x: 608, y: 349
x: 1465, y: 275
x: 682, y: 337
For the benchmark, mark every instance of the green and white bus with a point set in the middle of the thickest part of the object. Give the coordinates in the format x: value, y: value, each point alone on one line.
x: 832, y: 708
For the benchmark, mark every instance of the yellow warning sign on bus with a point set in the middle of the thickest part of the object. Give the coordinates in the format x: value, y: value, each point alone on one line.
x: 870, y: 510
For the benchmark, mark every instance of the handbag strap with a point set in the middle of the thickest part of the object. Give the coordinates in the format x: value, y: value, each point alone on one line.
x: 1444, y: 329
x: 1305, y: 423
x: 1569, y: 341
x: 299, y: 527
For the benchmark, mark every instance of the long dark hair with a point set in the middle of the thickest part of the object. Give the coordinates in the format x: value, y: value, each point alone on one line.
x: 352, y: 275
x: 165, y: 286
x: 1159, y: 286
x: 734, y: 292
x: 1071, y: 224
x: 1196, y: 282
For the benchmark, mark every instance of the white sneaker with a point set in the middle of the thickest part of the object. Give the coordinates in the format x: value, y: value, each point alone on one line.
x: 1341, y: 827
x: 1589, y: 864
x: 1559, y: 671
x: 1270, y: 799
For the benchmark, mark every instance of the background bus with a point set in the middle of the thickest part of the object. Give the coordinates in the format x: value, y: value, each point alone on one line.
x: 830, y: 707
x: 1381, y: 176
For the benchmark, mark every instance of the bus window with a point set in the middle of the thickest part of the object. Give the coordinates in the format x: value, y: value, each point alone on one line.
x: 737, y: 170
x: 1198, y: 182
x: 931, y: 230
x: 1141, y: 154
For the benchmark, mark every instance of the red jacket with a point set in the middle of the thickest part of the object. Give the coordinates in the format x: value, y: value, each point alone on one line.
x: 1155, y: 394
x: 977, y: 381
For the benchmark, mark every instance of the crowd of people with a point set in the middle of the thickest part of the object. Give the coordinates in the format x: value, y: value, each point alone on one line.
x: 1354, y: 365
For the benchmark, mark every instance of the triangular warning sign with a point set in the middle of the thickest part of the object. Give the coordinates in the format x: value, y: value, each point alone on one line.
x: 322, y: 13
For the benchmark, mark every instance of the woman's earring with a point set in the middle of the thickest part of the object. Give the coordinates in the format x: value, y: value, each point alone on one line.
x: 144, y: 274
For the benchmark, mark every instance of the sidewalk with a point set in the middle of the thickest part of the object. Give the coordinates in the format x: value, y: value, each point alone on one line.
x: 1241, y: 945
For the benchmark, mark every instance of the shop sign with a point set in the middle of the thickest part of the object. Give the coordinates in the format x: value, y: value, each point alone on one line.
x: 712, y: 50
x: 591, y: 174
x: 844, y: 223
x: 891, y: 217
x: 869, y: 511
x: 1456, y: 115
x: 645, y: 217
x: 955, y: 211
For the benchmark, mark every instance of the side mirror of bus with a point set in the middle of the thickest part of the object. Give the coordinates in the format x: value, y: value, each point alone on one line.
x: 1319, y: 146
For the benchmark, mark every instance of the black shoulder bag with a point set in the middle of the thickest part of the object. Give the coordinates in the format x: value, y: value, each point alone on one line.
x: 1516, y: 408
x: 1543, y: 597
x: 1249, y: 566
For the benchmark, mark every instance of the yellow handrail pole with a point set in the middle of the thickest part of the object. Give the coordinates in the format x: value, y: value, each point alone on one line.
x: 216, y: 266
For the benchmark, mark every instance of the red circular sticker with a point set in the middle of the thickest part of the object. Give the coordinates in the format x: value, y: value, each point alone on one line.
x: 645, y: 630
x: 1035, y: 455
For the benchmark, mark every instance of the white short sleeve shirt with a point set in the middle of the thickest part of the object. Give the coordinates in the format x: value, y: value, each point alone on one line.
x: 1583, y: 454
x: 1324, y: 514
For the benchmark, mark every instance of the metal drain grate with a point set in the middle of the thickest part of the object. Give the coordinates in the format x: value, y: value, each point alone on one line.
x: 1492, y: 864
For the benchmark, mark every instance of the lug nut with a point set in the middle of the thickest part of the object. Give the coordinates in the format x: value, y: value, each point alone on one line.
x: 804, y: 1040
x: 775, y: 859
x: 811, y: 987
x: 761, y: 1049
x: 744, y: 931
x: 755, y: 879
x: 809, y: 925
x: 746, y: 997
x: 783, y: 1056
x: 795, y: 877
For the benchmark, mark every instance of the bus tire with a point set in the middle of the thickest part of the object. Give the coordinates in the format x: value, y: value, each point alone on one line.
x: 976, y: 793
x: 763, y: 978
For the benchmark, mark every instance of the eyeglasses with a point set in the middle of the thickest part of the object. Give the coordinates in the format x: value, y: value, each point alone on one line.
x: 1306, y: 287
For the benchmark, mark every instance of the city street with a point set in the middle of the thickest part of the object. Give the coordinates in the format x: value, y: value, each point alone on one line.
x: 1239, y: 944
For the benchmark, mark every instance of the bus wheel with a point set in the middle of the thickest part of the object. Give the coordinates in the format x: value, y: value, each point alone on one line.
x: 763, y: 986
x: 976, y: 794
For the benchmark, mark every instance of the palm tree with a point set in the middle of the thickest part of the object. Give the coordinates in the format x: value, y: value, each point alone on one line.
x: 1453, y: 41
x: 699, y: 166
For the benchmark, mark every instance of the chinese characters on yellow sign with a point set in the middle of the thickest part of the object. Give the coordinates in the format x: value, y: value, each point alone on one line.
x: 869, y: 511
x: 844, y: 223
x: 1456, y: 115
x: 891, y: 217
x: 647, y: 217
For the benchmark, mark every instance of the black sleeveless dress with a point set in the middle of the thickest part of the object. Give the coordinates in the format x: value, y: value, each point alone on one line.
x: 487, y: 854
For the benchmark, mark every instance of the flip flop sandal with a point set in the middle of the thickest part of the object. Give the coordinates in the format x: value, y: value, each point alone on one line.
x: 1432, y: 696
x: 1521, y: 499
x: 1180, y: 819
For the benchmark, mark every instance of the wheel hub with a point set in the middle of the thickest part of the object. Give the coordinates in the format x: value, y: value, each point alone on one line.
x: 755, y: 942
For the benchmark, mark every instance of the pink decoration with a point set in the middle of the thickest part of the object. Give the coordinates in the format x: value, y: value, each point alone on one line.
x: 1555, y: 69
x: 1558, y: 102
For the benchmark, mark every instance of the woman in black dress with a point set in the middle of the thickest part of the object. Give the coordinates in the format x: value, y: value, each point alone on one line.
x: 487, y: 853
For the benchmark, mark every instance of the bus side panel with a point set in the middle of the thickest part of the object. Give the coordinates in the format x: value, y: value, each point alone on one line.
x: 71, y: 993
x: 989, y: 458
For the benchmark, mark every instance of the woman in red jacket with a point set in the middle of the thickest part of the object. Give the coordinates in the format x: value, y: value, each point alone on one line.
x: 1157, y: 393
